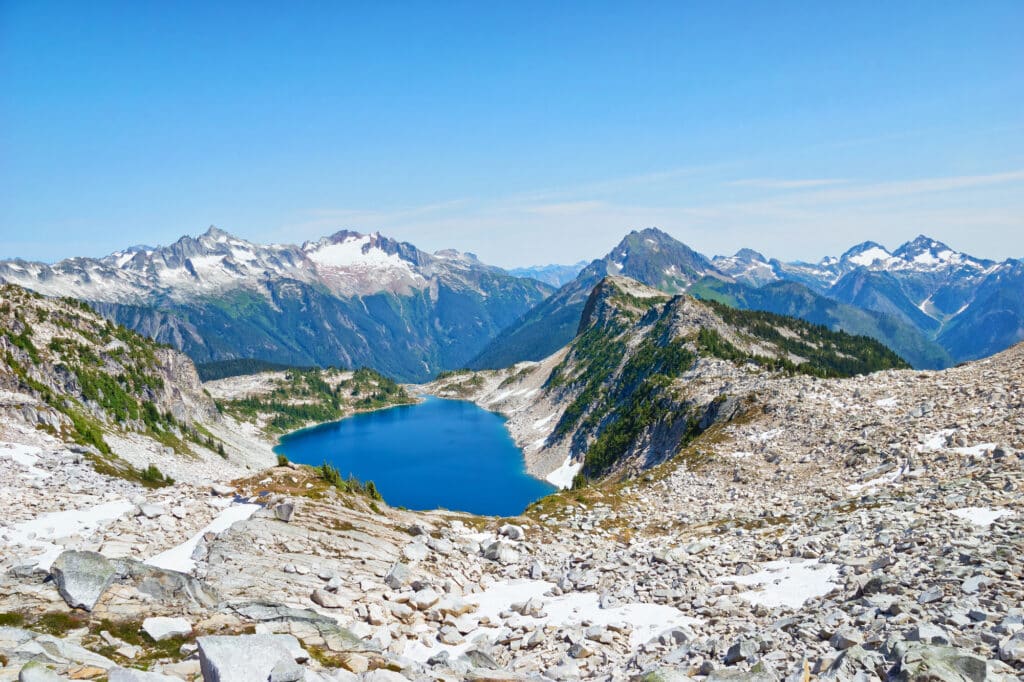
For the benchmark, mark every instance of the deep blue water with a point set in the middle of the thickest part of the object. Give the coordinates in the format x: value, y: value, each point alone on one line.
x: 439, y: 453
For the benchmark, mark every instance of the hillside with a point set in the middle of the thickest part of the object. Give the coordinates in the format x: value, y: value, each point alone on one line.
x: 282, y: 401
x: 129, y: 403
x: 647, y: 373
x: 797, y: 300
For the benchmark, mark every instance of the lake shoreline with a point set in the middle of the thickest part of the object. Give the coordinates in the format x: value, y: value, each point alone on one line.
x: 441, y: 453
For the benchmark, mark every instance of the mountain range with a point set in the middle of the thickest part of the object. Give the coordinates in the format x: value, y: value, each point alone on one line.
x: 346, y: 300
x: 932, y: 305
x: 354, y: 299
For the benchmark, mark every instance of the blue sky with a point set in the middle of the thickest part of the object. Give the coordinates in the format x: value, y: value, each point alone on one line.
x: 524, y: 132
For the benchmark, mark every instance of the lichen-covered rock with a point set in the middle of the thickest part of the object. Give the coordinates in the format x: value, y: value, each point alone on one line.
x: 927, y: 663
x: 82, y: 578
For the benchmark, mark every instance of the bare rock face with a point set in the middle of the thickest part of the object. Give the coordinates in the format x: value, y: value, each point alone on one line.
x: 82, y: 578
x: 247, y: 657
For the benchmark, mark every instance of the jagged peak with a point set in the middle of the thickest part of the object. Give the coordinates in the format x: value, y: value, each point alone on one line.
x: 615, y: 295
x: 921, y: 244
x: 750, y: 256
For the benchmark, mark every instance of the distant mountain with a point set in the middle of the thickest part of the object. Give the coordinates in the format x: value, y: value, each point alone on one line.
x: 352, y: 299
x: 555, y: 275
x: 345, y: 300
x: 649, y: 256
x: 946, y: 294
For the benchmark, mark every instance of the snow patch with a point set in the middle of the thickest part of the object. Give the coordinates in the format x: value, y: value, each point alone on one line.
x: 975, y: 450
x: 539, y: 424
x: 180, y: 558
x: 788, y: 583
x: 563, y: 475
x: 869, y: 256
x: 41, y: 532
x: 935, y: 442
x: 980, y: 516
x: 647, y: 620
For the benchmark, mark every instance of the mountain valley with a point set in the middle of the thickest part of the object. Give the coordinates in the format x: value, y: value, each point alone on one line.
x: 817, y: 523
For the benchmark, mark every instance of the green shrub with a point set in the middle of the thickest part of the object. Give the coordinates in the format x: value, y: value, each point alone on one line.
x: 153, y: 475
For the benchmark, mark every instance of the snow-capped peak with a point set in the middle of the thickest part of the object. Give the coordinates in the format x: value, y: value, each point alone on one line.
x: 867, y: 254
x: 928, y: 252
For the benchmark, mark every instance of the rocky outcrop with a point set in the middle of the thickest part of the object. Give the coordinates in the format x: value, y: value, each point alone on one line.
x: 251, y: 657
x: 82, y: 578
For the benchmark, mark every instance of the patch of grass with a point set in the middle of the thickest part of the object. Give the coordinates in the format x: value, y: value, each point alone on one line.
x: 131, y: 632
x: 282, y: 460
x: 58, y: 623
x: 12, y: 619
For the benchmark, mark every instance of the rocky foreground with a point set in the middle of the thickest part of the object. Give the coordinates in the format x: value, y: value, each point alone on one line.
x: 856, y: 529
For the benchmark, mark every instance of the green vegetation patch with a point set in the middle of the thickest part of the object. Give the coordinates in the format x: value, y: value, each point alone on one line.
x: 304, y: 396
x: 332, y: 476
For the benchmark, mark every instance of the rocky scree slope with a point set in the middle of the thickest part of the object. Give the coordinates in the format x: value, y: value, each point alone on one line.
x: 845, y: 528
x: 346, y: 300
x: 647, y: 373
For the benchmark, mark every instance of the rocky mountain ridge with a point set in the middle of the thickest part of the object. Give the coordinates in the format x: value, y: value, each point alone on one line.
x: 348, y: 300
x: 919, y: 300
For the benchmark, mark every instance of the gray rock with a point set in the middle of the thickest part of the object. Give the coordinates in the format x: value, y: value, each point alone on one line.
x: 844, y: 638
x: 283, y: 512
x: 926, y: 663
x: 151, y: 511
x: 741, y: 651
x: 33, y: 671
x: 397, y: 576
x: 326, y: 599
x: 382, y: 675
x: 286, y: 671
x: 856, y: 664
x: 164, y: 585
x: 1011, y: 649
x: 246, y: 658
x: 929, y: 634
x: 82, y: 577
x: 416, y: 551
x: 741, y: 676
x: 512, y: 532
x: 973, y: 584
x: 933, y: 593
x: 663, y: 674
x: 161, y: 627
x: 502, y: 552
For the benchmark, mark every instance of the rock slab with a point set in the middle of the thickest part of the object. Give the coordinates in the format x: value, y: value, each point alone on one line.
x: 82, y: 578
